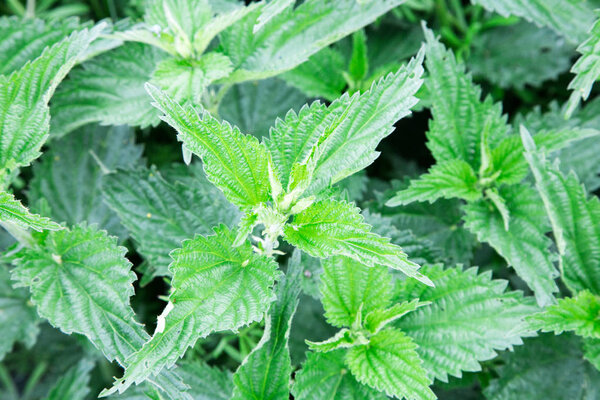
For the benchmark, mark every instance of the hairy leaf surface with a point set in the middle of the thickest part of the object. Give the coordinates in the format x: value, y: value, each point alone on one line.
x: 13, y: 212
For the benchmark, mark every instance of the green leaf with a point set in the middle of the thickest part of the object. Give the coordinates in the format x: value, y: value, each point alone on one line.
x: 12, y: 212
x: 265, y: 373
x: 206, y: 382
x: 216, y: 287
x: 578, y: 314
x: 294, y: 34
x: 586, y: 69
x: 234, y: 162
x: 331, y: 227
x: 349, y: 287
x: 325, y: 376
x: 571, y: 19
x: 471, y: 316
x: 343, y: 136
x: 359, y: 63
x: 108, y: 89
x: 459, y: 115
x: 24, y: 97
x: 524, y: 245
x: 343, y: 339
x: 390, y: 363
x: 18, y: 319
x: 160, y: 212
x: 448, y: 179
x: 575, y: 220
x: 74, y: 384
x: 376, y: 320
x: 68, y: 176
x: 591, y: 353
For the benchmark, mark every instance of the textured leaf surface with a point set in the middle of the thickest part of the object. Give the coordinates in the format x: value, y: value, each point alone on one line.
x: 74, y: 384
x: 524, y: 245
x: 325, y: 376
x: 108, y: 89
x: 69, y: 175
x: 470, y: 317
x: 206, y: 382
x: 390, y: 363
x: 13, y: 212
x: 216, y: 287
x: 331, y: 227
x: 160, y: 212
x: 265, y: 373
x: 234, y: 162
x: 575, y: 220
x: 349, y: 287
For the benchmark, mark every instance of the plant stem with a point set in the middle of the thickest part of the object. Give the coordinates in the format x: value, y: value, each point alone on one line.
x: 30, y: 9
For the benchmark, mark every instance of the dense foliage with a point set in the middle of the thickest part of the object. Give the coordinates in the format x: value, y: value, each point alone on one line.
x: 349, y: 199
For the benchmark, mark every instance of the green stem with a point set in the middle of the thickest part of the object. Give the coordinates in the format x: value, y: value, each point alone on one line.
x: 7, y: 382
x: 21, y: 235
x: 30, y: 9
x: 34, y: 378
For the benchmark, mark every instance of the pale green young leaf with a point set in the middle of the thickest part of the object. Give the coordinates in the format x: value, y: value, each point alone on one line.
x: 586, y: 69
x: 575, y: 220
x: 390, y: 364
x: 448, y: 179
x: 378, y: 319
x: 216, y: 287
x: 578, y: 314
x: 67, y: 179
x: 471, y: 316
x: 74, y: 384
x: 24, y: 97
x: 330, y: 227
x: 206, y: 382
x: 265, y: 373
x: 271, y: 10
x: 343, y: 339
x: 524, y: 245
x: 18, y: 319
x: 161, y: 211
x: 234, y: 162
x: 459, y: 114
x: 325, y: 376
x: 349, y: 287
x: 571, y: 19
x: 108, y: 89
x: 13, y: 212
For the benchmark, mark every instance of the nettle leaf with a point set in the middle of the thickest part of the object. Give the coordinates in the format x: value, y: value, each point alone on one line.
x: 294, y: 34
x: 524, y: 245
x: 216, y: 287
x: 206, y: 382
x: 343, y: 339
x: 160, y: 212
x: 326, y: 376
x: 265, y: 373
x: 586, y: 69
x: 377, y: 319
x: 108, y: 89
x: 578, y: 314
x: 234, y: 162
x: 344, y: 135
x: 571, y: 19
x: 448, y: 179
x: 519, y: 55
x: 591, y: 351
x: 24, y: 96
x: 348, y: 288
x: 18, y: 319
x: 575, y: 220
x: 548, y: 367
x: 12, y: 212
x: 471, y: 316
x: 390, y: 363
x: 74, y: 384
x: 68, y: 176
x: 330, y: 227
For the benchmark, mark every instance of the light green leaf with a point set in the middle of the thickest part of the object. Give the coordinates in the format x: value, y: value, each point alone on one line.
x: 160, y: 212
x: 270, y: 10
x: 74, y: 384
x: 591, y: 353
x: 376, y: 320
x: 343, y: 339
x: 349, y: 287
x: 448, y: 179
x: 578, y: 314
x: 24, y: 97
x: 329, y: 227
x: 575, y: 220
x: 586, y: 69
x: 471, y: 316
x: 390, y: 363
x: 13, y: 212
x: 325, y: 376
x: 359, y: 63
x: 216, y: 287
x: 524, y: 245
x: 571, y: 19
x: 108, y: 89
x: 234, y: 162
x: 206, y: 382
x: 68, y: 176
x: 265, y: 373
